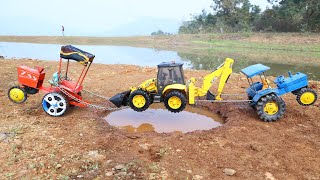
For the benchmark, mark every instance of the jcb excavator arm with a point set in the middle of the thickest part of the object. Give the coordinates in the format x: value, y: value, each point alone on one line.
x: 223, y: 71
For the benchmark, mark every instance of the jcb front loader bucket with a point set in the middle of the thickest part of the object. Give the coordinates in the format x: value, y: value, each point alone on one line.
x: 120, y: 99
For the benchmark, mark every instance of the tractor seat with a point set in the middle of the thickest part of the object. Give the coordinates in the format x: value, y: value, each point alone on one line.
x: 71, y: 52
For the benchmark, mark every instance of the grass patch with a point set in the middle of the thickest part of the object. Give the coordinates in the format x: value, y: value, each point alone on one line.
x: 262, y: 46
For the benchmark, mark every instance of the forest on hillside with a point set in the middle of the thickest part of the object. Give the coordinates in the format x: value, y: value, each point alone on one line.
x: 242, y: 16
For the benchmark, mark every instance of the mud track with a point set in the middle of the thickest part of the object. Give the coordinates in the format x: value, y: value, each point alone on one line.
x: 82, y: 145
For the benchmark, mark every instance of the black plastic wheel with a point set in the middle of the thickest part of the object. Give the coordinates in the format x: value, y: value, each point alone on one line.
x: 55, y: 104
x: 31, y: 90
x: 270, y: 108
x: 175, y: 101
x: 306, y: 97
x: 296, y: 92
x: 17, y: 94
x: 139, y: 100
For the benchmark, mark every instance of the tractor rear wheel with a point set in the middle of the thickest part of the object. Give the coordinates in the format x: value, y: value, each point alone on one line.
x: 17, y: 94
x: 55, y: 104
x: 175, y: 101
x: 306, y: 97
x: 270, y: 108
x: 139, y: 100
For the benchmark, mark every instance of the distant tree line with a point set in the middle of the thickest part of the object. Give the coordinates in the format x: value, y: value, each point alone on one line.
x: 242, y: 16
x: 160, y: 33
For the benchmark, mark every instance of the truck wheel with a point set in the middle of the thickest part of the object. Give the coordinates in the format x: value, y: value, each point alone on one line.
x: 55, y: 104
x: 306, y: 97
x: 270, y: 108
x: 175, y: 101
x: 139, y: 100
x: 17, y: 94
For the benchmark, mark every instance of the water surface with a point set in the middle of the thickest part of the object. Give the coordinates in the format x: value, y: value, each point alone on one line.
x: 207, y: 60
x: 161, y: 120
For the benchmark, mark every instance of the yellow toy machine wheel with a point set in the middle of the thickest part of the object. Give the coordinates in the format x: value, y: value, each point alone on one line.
x: 17, y: 94
x: 270, y: 108
x: 306, y: 96
x: 175, y: 101
x: 139, y: 100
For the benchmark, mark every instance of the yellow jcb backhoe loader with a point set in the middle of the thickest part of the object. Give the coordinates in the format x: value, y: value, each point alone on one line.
x: 170, y: 88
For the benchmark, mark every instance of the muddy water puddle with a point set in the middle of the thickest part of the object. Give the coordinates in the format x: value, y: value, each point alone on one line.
x: 158, y: 119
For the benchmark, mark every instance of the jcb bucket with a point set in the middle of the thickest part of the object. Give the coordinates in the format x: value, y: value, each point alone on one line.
x: 120, y: 99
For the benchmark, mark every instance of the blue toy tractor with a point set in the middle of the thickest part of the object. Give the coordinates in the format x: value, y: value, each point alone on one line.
x: 267, y: 101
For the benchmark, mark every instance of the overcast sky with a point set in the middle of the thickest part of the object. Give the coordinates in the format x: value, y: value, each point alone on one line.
x: 33, y: 17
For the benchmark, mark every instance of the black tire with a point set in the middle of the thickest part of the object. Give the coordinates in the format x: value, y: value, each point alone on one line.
x: 179, y: 95
x: 137, y: 93
x: 59, y: 109
x: 271, y: 98
x: 31, y: 90
x: 306, y: 90
x: 296, y: 92
x: 25, y: 95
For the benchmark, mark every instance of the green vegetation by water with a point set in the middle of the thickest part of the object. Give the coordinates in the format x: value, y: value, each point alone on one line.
x: 242, y: 16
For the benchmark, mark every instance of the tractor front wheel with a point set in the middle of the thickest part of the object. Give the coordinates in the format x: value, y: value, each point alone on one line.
x: 17, y: 94
x: 55, y: 104
x: 139, y: 100
x: 175, y: 101
x: 306, y: 97
x: 270, y: 108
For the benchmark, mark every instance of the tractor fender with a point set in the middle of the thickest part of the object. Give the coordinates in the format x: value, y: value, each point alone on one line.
x: 264, y: 93
x: 180, y: 87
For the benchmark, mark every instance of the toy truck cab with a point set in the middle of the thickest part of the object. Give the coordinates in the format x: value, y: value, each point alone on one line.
x: 168, y: 74
x: 267, y: 101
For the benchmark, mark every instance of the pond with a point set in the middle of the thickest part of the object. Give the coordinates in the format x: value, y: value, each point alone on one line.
x: 207, y: 60
x: 158, y: 119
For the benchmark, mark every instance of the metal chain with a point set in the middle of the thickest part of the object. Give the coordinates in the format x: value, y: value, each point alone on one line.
x: 88, y: 104
x: 95, y: 94
x: 223, y: 101
x: 112, y: 109
x: 243, y: 94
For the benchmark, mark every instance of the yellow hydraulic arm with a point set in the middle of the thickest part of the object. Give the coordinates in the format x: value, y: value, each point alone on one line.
x: 223, y: 71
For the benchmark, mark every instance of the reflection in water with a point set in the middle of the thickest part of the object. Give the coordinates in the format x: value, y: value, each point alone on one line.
x: 212, y: 61
x: 144, y: 127
x: 161, y: 120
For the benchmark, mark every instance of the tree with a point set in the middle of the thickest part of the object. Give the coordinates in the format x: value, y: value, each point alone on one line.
x: 305, y: 14
x: 160, y: 33
x: 241, y: 15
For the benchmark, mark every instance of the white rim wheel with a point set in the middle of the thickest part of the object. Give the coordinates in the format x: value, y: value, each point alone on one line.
x: 54, y: 104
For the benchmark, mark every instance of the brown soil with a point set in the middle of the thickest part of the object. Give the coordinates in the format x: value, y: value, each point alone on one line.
x: 82, y: 145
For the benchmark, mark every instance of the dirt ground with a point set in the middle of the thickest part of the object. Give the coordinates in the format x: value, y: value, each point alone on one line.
x: 81, y: 145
